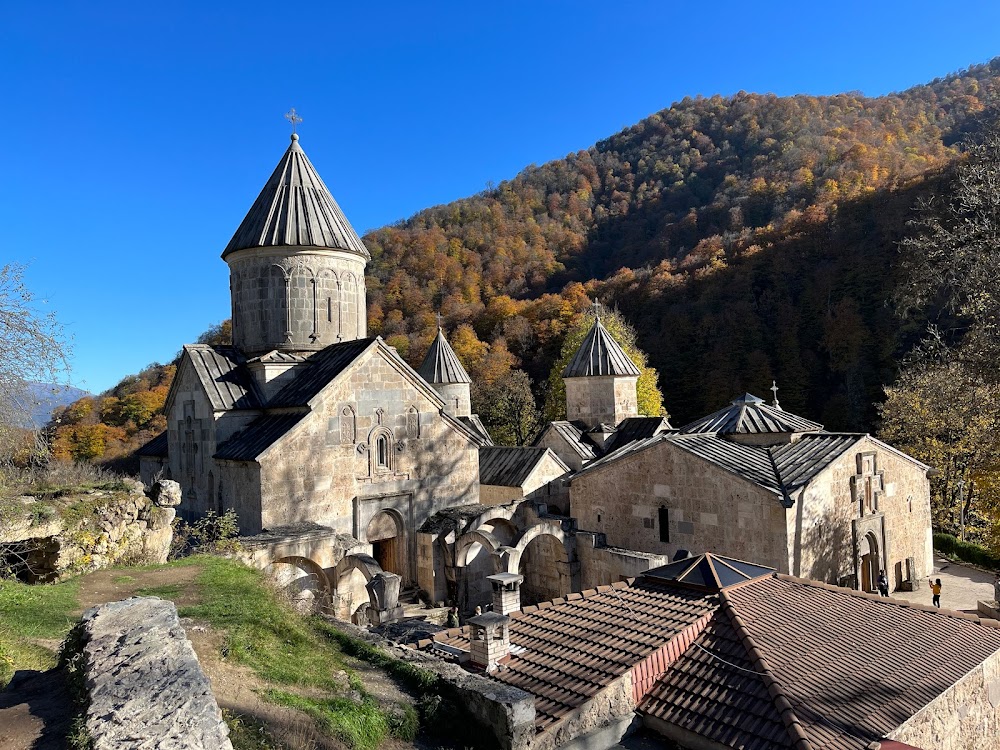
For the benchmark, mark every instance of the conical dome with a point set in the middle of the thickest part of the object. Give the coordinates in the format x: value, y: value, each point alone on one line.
x: 442, y: 366
x: 599, y: 354
x: 296, y: 209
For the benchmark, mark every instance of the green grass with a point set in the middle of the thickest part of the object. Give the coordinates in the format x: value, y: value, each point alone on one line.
x: 29, y: 612
x: 122, y: 579
x: 169, y: 591
x: 260, y: 631
x: 362, y: 726
x: 419, y: 680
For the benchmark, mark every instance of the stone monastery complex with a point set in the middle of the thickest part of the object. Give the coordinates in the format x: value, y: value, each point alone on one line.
x: 357, y: 480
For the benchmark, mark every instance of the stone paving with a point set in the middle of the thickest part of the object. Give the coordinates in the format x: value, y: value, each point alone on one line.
x: 962, y: 587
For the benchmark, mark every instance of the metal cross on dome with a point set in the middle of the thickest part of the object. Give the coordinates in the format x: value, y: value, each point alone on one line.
x: 439, y: 319
x: 597, y: 308
x: 774, y: 390
x: 293, y: 117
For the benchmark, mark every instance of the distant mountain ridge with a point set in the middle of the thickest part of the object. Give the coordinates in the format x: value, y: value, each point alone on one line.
x: 46, y: 397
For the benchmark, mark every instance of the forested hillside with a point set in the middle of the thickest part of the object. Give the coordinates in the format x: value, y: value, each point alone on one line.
x: 747, y: 238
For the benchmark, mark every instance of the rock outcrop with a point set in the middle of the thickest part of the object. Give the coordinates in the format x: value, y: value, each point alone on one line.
x: 145, y: 685
x: 43, y: 538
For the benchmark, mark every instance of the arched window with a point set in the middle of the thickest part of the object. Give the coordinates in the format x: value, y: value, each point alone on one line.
x: 380, y: 450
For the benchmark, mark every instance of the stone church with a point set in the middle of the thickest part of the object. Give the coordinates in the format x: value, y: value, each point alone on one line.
x: 352, y: 474
x: 305, y: 420
x: 751, y: 481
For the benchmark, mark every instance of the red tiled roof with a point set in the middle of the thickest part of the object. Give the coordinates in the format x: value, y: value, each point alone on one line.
x: 857, y: 666
x: 852, y: 667
x: 766, y: 664
x: 731, y: 706
x: 575, y: 647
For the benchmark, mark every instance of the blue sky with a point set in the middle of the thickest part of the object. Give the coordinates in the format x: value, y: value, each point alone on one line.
x: 135, y: 135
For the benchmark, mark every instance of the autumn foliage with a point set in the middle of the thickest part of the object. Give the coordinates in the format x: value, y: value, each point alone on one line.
x: 746, y: 239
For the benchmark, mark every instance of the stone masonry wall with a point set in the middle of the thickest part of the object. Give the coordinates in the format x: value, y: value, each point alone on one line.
x: 601, y: 565
x: 608, y: 399
x: 708, y: 508
x: 822, y: 524
x: 328, y: 471
x: 500, y: 716
x: 145, y: 685
x: 43, y: 540
x: 965, y: 717
x: 295, y: 299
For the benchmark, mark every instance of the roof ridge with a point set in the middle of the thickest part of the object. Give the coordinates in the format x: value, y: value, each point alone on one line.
x: 902, y: 603
x: 781, y: 702
x: 786, y: 499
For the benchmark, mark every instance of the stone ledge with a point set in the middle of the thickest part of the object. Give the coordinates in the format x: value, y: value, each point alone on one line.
x: 145, y: 685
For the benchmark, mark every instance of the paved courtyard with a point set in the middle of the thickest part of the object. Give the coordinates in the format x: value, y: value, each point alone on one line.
x: 962, y: 587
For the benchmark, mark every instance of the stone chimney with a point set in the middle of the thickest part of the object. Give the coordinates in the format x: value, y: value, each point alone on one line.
x: 506, y: 592
x: 489, y: 640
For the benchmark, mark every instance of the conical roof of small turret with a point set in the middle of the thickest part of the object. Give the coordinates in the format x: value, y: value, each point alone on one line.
x: 599, y: 354
x: 441, y: 365
x: 296, y: 209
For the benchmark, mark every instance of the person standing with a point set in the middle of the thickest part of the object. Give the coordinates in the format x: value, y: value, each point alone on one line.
x: 936, y: 591
x: 883, y: 584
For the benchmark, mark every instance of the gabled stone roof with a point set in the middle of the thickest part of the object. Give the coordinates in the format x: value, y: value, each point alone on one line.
x: 295, y: 208
x: 510, y: 466
x: 781, y: 469
x: 155, y: 448
x: 226, y: 380
x: 599, y: 354
x: 749, y: 415
x: 441, y: 366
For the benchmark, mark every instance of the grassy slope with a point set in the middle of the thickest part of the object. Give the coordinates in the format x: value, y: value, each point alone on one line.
x: 290, y: 653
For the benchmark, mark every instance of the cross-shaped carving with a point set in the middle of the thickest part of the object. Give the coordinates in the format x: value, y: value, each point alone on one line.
x: 293, y: 117
x: 867, y: 484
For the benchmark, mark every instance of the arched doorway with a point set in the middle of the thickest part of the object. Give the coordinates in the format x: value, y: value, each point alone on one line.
x: 870, y: 563
x: 385, y: 534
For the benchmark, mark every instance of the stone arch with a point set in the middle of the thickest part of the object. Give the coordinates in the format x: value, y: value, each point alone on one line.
x: 381, y: 451
x: 329, y: 302
x: 349, y: 305
x: 351, y: 576
x: 275, y: 308
x: 476, y: 558
x: 465, y: 543
x: 503, y: 529
x: 302, y: 581
x: 542, y: 554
